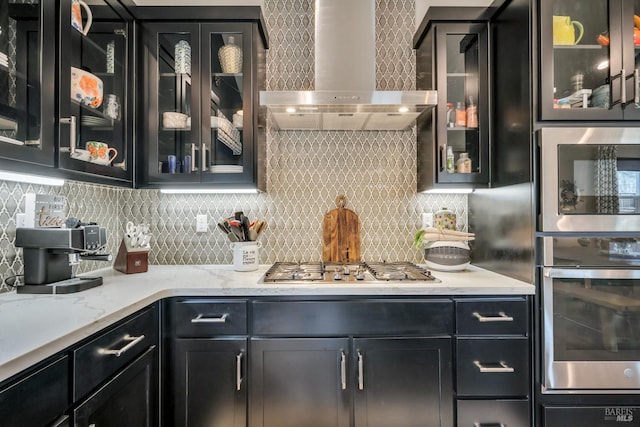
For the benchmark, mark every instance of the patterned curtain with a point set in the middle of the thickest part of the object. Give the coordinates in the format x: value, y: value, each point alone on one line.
x: 606, y: 179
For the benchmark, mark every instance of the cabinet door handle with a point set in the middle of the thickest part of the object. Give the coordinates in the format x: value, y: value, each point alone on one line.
x: 623, y: 88
x: 360, y: 371
x: 441, y: 157
x: 239, y: 370
x: 133, y: 341
x: 202, y: 319
x: 71, y: 121
x: 493, y: 369
x: 636, y: 90
x: 343, y: 370
x: 62, y: 421
x: 477, y: 424
x: 501, y: 317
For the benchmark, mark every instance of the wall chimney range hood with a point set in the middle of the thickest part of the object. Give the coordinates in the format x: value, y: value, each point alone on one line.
x: 345, y: 97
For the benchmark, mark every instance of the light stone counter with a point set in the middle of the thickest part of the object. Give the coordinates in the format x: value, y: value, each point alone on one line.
x: 33, y: 327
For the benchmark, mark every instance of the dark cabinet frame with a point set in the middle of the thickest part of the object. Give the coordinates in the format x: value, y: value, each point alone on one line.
x: 30, y: 159
x: 200, y: 24
x: 432, y: 131
x: 78, y: 169
x: 622, y: 57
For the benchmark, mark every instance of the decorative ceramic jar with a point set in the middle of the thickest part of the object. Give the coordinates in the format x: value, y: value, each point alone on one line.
x: 230, y: 56
x: 445, y: 219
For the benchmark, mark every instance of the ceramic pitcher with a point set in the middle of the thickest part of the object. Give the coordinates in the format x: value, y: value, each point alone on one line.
x: 76, y: 16
x: 564, y: 30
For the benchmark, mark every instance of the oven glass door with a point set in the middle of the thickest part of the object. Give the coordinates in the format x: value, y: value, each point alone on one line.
x: 592, y: 328
x: 591, y: 304
x: 590, y: 179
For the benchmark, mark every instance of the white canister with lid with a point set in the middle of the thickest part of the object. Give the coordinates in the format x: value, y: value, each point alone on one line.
x: 445, y: 219
x: 246, y: 255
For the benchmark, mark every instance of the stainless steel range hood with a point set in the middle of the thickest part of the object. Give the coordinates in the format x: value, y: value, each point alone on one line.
x: 345, y: 97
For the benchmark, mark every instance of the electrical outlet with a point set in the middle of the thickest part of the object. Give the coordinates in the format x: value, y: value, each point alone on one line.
x: 201, y: 223
x: 427, y: 220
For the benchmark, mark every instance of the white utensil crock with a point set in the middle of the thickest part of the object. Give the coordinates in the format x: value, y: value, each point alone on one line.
x: 246, y: 255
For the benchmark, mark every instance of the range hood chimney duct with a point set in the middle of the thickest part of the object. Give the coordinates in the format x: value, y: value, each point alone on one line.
x: 345, y: 97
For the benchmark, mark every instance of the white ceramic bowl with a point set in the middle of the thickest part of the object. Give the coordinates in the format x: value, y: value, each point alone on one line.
x: 86, y: 88
x: 173, y: 120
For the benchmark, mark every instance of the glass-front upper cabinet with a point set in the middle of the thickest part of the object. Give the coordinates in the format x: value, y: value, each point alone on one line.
x: 203, y: 83
x: 95, y: 134
x: 453, y: 148
x: 27, y: 41
x: 588, y: 63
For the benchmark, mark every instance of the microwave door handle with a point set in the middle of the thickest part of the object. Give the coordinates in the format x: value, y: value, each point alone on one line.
x: 584, y: 273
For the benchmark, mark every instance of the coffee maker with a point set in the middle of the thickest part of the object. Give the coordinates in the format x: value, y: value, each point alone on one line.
x: 51, y: 253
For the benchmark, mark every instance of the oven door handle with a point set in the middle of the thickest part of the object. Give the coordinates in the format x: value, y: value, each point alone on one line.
x: 590, y: 273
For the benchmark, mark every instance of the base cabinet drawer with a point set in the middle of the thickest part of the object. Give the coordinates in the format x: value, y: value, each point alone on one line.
x: 128, y: 399
x: 203, y: 317
x: 494, y: 413
x: 110, y: 351
x: 38, y: 399
x: 364, y: 317
x: 592, y: 416
x: 492, y: 317
x: 493, y: 367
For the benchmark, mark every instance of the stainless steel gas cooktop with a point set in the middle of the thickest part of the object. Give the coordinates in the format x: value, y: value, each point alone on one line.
x: 364, y: 272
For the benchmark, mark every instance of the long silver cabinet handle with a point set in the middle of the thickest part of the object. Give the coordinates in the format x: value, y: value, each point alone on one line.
x: 636, y: 89
x: 476, y: 424
x: 343, y: 370
x: 133, y: 342
x: 501, y: 317
x: 623, y: 87
x: 71, y: 121
x: 503, y: 367
x: 360, y: 371
x: 239, y: 370
x: 202, y: 319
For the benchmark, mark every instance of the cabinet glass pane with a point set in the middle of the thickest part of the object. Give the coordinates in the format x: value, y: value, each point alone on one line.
x: 20, y: 67
x: 177, y: 153
x: 98, y: 84
x: 636, y: 52
x: 581, y: 54
x: 226, y: 103
x: 463, y: 137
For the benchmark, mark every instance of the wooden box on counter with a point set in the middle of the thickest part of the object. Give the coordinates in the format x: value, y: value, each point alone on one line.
x: 131, y: 262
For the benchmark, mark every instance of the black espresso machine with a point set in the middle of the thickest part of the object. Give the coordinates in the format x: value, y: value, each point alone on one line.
x: 51, y: 253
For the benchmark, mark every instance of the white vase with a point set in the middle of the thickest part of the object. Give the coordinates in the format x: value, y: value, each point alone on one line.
x: 230, y: 56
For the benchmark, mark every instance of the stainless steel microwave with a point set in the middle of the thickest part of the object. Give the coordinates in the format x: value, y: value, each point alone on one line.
x: 590, y: 179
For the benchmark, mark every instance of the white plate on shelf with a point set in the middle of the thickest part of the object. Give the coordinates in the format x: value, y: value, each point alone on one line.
x: 225, y: 169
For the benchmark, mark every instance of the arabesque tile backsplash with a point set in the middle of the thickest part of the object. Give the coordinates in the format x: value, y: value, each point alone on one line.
x: 306, y: 171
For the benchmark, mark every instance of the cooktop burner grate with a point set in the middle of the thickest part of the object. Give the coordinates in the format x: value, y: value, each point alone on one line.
x: 291, y: 272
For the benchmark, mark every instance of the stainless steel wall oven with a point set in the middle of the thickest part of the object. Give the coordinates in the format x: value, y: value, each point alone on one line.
x: 591, y: 313
x: 588, y: 254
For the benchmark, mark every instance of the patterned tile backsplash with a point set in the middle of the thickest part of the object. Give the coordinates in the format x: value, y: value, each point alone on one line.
x: 306, y: 171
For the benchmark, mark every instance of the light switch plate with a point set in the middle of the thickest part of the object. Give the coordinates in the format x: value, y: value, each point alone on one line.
x: 201, y: 223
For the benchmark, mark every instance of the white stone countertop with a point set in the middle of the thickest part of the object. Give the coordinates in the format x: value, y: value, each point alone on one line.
x: 34, y: 327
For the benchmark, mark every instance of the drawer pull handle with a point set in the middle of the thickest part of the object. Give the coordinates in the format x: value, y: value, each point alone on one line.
x: 133, y: 342
x: 201, y: 319
x: 239, y: 370
x: 501, y: 317
x: 476, y: 424
x: 360, y: 371
x: 502, y: 368
x: 343, y: 370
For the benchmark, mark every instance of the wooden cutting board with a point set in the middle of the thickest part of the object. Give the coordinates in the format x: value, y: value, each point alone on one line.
x: 341, y: 234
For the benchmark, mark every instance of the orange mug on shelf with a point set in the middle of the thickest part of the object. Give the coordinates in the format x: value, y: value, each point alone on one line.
x: 564, y: 31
